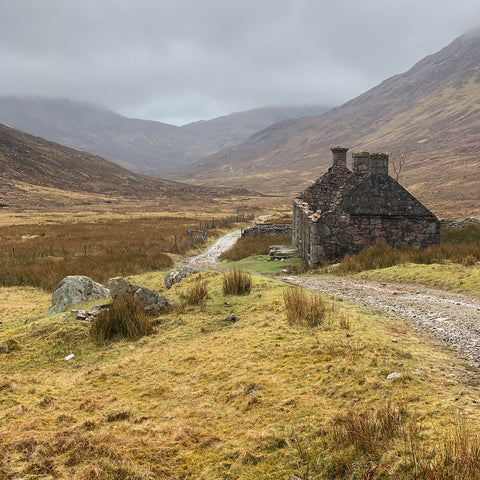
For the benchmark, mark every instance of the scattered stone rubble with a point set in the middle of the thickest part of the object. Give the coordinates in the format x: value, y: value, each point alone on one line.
x: 90, y: 315
x: 152, y: 302
x: 178, y: 274
x: 281, y: 252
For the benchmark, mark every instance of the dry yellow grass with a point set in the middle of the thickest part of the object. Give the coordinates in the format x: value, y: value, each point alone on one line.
x: 42, y: 254
x: 205, y: 398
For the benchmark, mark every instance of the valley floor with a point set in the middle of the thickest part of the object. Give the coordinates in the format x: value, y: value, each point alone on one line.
x: 230, y: 389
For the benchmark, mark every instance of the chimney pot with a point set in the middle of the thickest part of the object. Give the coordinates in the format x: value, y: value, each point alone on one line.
x: 361, y: 162
x: 379, y: 163
x: 339, y: 156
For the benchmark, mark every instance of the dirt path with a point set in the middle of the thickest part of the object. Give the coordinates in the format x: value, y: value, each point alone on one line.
x: 450, y: 317
x: 209, y: 258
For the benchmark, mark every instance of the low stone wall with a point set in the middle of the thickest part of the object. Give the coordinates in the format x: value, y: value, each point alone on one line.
x: 461, y: 224
x: 268, y: 229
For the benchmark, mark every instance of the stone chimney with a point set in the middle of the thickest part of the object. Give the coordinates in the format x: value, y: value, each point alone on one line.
x: 379, y: 164
x: 339, y: 156
x: 361, y: 162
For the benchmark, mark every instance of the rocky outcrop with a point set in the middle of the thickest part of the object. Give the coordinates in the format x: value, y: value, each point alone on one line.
x: 152, y: 302
x: 178, y: 274
x: 76, y: 289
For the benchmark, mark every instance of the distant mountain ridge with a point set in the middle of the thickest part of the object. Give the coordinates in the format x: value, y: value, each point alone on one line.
x: 142, y: 146
x: 432, y: 111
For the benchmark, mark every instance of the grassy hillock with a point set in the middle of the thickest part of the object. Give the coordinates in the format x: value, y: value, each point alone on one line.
x: 254, y: 396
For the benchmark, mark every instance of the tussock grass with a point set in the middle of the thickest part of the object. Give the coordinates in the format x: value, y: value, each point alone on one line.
x: 198, y: 293
x: 307, y: 310
x: 237, y: 282
x: 369, y: 431
x: 361, y: 443
x: 195, y: 295
x: 125, y: 319
x: 249, y: 246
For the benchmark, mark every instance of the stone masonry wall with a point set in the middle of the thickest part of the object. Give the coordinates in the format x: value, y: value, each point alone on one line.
x: 268, y: 229
x: 332, y: 238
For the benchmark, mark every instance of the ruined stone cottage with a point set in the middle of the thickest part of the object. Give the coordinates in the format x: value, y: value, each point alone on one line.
x: 346, y: 210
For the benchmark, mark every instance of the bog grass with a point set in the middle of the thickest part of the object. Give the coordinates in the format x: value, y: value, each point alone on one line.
x: 304, y: 309
x: 259, y: 398
x: 41, y: 255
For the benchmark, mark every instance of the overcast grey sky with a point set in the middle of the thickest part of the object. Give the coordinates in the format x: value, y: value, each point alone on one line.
x: 183, y: 60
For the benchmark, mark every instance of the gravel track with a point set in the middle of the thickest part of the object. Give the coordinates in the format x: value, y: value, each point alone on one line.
x: 208, y: 260
x: 450, y: 317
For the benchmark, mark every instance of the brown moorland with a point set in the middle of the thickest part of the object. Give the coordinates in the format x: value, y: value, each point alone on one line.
x: 40, y: 175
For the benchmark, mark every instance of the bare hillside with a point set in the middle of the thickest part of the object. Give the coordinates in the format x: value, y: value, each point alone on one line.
x: 432, y: 111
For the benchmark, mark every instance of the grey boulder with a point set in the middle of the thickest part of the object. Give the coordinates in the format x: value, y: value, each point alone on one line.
x: 75, y: 289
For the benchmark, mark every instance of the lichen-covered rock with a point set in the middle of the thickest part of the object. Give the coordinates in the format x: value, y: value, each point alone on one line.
x: 119, y: 287
x: 177, y: 275
x: 152, y: 302
x: 75, y: 289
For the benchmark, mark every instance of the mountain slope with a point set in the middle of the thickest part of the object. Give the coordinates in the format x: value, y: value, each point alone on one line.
x: 140, y: 145
x: 35, y: 172
x: 432, y: 111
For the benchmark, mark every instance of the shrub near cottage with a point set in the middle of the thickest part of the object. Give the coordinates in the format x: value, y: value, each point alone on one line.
x: 458, y: 245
